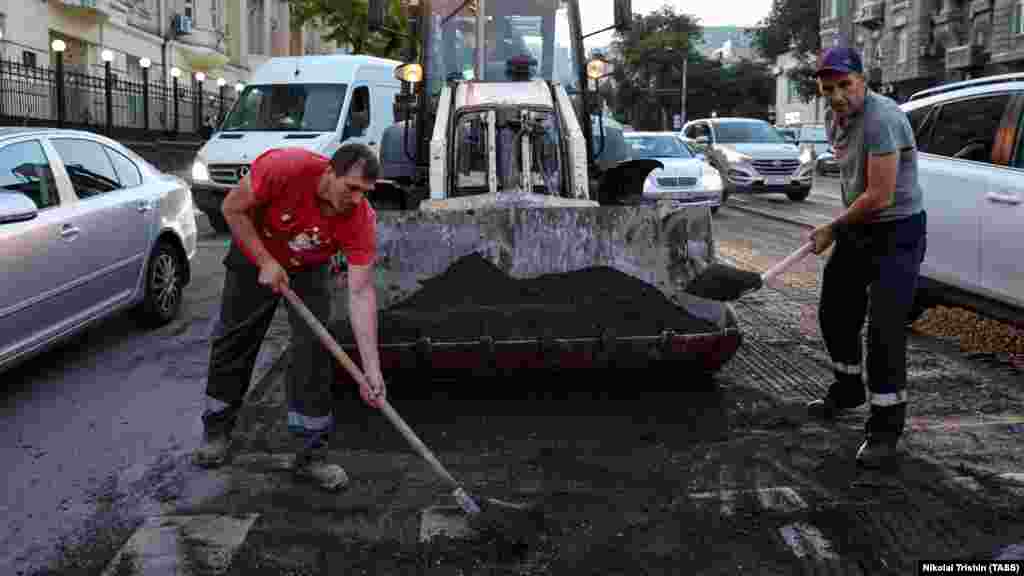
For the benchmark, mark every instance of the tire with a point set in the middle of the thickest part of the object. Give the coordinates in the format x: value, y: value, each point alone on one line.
x: 165, y: 279
x: 714, y: 209
x: 799, y: 195
x: 218, y: 223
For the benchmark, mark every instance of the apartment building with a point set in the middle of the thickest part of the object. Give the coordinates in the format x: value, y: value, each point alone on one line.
x: 789, y: 107
x: 220, y: 38
x: 909, y: 45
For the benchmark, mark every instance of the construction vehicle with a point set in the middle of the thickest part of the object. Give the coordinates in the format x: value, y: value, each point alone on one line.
x: 510, y: 199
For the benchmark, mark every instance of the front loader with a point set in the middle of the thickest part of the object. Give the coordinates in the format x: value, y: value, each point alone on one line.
x: 512, y: 233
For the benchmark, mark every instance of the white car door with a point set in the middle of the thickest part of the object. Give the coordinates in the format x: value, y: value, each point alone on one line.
x: 37, y: 255
x: 1002, y: 220
x: 114, y: 223
x: 954, y: 170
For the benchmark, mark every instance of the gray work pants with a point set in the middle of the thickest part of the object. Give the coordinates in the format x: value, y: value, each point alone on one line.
x: 247, y: 309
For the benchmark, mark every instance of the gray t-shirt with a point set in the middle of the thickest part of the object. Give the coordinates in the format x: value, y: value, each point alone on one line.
x: 880, y: 128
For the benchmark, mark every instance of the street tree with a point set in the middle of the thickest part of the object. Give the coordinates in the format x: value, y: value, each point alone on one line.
x: 793, y: 26
x: 345, y: 22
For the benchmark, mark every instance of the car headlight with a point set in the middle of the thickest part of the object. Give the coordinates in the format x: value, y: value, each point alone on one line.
x: 199, y: 172
x: 734, y: 157
x: 806, y: 156
x: 650, y: 184
x: 710, y: 179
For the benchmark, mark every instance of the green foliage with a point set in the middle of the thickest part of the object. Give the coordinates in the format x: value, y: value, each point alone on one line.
x: 345, y: 22
x: 793, y: 26
x: 650, y: 58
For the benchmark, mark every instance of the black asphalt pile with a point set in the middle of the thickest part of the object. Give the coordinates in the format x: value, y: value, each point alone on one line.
x: 474, y: 297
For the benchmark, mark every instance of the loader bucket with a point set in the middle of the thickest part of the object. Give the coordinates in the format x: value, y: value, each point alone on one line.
x: 533, y: 281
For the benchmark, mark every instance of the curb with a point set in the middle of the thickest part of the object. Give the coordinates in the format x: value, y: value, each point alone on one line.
x: 772, y: 216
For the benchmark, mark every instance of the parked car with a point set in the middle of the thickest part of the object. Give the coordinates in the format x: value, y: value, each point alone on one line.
x: 788, y: 133
x: 685, y: 179
x: 812, y: 141
x: 971, y: 167
x: 88, y: 228
x: 752, y: 155
x: 825, y: 164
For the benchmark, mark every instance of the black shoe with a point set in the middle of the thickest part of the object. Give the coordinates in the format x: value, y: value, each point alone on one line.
x: 878, y: 454
x: 882, y: 432
x: 840, y: 397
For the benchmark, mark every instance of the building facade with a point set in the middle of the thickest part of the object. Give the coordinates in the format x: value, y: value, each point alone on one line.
x: 220, y: 38
x: 909, y: 45
x: 789, y: 107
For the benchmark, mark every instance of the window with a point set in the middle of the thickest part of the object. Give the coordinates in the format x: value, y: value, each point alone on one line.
x: 748, y: 132
x: 288, y: 108
x: 792, y: 90
x: 127, y: 173
x: 471, y: 161
x: 902, y: 46
x: 917, y: 118
x: 87, y: 165
x: 656, y: 147
x: 24, y: 168
x: 966, y: 129
x: 358, y: 114
x: 188, y: 11
x: 1017, y: 19
x: 28, y: 58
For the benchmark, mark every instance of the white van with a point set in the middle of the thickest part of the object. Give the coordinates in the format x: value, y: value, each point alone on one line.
x: 315, y: 102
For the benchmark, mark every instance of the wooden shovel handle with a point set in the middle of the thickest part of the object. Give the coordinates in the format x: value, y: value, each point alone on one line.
x: 357, y: 374
x: 789, y: 261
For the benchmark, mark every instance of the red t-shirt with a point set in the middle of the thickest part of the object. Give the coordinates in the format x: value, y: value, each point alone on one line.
x: 291, y: 225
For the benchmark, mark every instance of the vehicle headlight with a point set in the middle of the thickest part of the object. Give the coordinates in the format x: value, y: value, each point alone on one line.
x: 734, y: 157
x: 199, y: 172
x: 710, y: 179
x: 806, y: 156
x: 650, y: 184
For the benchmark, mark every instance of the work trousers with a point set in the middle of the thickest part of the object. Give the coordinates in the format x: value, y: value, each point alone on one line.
x: 247, y: 308
x: 872, y: 272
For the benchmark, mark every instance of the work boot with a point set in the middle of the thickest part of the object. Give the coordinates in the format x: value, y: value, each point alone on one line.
x: 882, y: 433
x: 217, y: 428
x: 311, y: 464
x: 840, y: 397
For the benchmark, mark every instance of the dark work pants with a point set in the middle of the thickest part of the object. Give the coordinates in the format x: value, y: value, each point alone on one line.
x: 872, y: 272
x: 247, y: 309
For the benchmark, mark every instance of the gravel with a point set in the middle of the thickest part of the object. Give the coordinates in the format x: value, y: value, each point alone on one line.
x: 975, y: 334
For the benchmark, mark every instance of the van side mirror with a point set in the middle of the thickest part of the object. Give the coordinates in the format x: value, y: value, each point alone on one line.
x: 377, y: 14
x: 16, y: 207
x: 623, y: 15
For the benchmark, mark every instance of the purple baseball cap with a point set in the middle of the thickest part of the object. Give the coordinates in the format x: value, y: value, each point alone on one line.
x: 840, y: 60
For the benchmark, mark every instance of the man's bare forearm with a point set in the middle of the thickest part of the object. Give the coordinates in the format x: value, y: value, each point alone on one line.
x: 244, y: 230
x: 863, y: 210
x: 362, y: 306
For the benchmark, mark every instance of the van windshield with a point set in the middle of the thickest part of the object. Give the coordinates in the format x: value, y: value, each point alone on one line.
x: 287, y: 108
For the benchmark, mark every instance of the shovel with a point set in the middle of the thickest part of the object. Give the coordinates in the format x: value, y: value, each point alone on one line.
x: 489, y: 515
x: 726, y: 283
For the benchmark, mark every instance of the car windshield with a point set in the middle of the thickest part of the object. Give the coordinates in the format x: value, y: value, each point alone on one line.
x: 287, y: 108
x: 813, y: 134
x: 656, y: 147
x: 747, y: 133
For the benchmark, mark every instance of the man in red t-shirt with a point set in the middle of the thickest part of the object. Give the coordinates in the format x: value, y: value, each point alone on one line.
x: 294, y: 211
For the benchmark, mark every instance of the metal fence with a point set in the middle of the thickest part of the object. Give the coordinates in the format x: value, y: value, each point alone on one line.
x: 108, y: 103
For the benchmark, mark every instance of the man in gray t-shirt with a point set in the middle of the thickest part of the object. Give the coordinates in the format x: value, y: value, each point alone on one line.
x: 879, y: 245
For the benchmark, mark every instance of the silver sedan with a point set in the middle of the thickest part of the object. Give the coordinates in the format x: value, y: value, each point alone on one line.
x: 87, y: 228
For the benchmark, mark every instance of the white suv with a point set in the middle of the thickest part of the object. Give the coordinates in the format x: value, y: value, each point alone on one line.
x: 971, y: 167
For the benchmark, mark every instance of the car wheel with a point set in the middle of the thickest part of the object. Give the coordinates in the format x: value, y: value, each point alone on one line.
x: 799, y: 195
x: 165, y: 277
x: 714, y: 209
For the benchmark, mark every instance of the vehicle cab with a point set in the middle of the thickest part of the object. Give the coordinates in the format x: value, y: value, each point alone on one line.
x: 313, y: 102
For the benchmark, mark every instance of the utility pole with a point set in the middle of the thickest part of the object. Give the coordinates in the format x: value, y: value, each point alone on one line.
x: 682, y: 90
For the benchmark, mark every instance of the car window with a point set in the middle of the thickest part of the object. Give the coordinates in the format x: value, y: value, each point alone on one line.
x: 87, y: 165
x: 813, y: 134
x: 358, y: 113
x: 24, y: 168
x: 656, y: 147
x: 966, y: 129
x: 747, y: 132
x: 1018, y: 158
x: 917, y: 119
x: 127, y: 172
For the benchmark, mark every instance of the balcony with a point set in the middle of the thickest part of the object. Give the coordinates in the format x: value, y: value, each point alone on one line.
x: 965, y: 56
x: 947, y: 28
x: 871, y: 15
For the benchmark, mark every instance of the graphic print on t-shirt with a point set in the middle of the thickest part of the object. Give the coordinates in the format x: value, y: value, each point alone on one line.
x: 306, y: 241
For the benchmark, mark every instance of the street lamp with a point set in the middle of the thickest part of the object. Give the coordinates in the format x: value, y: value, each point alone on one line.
x: 145, y: 63
x: 108, y: 57
x: 197, y: 123
x: 200, y: 77
x: 175, y: 74
x: 221, y: 87
x: 239, y: 87
x: 58, y: 46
